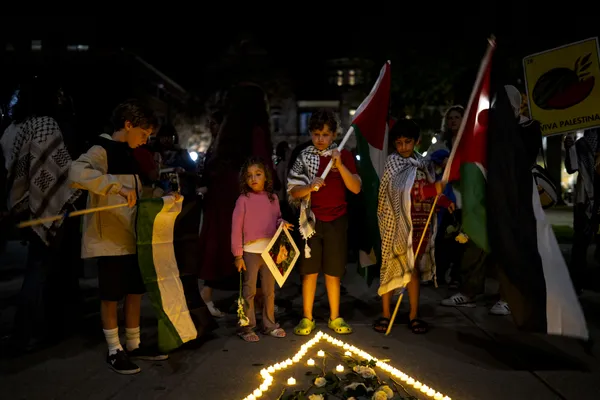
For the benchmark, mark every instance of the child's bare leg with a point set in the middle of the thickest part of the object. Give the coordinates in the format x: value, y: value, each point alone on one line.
x: 332, y: 284
x: 133, y: 304
x: 414, y: 289
x: 386, y: 299
x: 108, y: 314
x: 309, y: 287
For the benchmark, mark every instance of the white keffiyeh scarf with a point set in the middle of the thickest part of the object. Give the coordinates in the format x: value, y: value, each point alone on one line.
x: 303, y: 172
x: 39, y: 174
x: 395, y: 223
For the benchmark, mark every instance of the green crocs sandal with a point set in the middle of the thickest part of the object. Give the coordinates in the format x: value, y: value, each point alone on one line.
x: 305, y: 327
x: 340, y: 326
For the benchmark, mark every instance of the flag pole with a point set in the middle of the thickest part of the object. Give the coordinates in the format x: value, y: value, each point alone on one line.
x: 478, y: 81
x: 40, y: 221
x: 391, y: 324
x: 343, y: 142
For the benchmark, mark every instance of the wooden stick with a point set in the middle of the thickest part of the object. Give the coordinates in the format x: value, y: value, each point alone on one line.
x: 40, y: 221
x: 389, y: 329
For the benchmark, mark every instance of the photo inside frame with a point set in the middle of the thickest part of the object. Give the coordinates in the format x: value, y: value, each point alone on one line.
x: 281, y: 255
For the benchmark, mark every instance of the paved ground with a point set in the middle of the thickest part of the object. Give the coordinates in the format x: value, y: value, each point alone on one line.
x: 468, y: 354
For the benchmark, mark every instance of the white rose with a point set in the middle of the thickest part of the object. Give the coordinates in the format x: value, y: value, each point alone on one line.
x: 316, y: 397
x: 354, y: 385
x: 379, y: 395
x: 389, y: 392
x: 365, y: 372
x: 320, y: 382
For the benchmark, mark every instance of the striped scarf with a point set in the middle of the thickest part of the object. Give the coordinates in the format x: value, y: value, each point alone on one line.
x: 303, y: 172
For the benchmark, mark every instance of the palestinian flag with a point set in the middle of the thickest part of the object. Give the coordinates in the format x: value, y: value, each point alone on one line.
x: 533, y: 274
x: 467, y: 162
x: 371, y: 124
x: 158, y: 265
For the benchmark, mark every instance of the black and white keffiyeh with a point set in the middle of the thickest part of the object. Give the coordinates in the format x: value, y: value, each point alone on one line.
x: 395, y: 223
x: 39, y: 174
x: 303, y: 172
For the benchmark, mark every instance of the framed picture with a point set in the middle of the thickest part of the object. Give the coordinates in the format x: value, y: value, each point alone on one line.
x: 281, y: 255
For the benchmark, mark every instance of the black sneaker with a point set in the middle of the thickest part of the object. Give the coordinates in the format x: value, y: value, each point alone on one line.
x: 121, y: 364
x: 146, y: 353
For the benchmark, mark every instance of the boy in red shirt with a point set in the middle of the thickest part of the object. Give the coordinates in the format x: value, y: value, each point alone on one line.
x: 323, y: 219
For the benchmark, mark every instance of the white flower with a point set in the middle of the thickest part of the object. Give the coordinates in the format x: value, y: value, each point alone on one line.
x: 316, y: 397
x: 379, y: 395
x: 320, y: 382
x: 243, y: 320
x: 365, y: 372
x: 389, y: 392
x: 354, y: 385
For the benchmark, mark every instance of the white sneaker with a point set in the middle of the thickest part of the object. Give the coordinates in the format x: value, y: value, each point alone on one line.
x: 500, y: 308
x: 458, y: 300
x: 214, y: 311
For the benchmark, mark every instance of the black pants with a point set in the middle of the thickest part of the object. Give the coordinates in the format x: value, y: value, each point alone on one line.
x: 50, y: 299
x: 583, y: 236
x: 448, y: 252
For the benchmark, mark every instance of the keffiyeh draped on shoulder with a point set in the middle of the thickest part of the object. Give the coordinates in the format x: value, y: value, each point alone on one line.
x: 395, y: 223
x: 303, y: 172
x: 39, y: 174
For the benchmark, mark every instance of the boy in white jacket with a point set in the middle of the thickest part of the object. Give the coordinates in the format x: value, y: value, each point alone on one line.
x: 108, y: 171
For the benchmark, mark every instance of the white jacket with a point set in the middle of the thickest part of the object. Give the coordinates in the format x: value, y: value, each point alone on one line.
x: 110, y: 232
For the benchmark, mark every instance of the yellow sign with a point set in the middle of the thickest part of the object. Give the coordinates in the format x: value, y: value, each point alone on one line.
x: 563, y: 87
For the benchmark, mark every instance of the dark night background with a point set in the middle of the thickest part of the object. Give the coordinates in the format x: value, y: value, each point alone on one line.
x: 434, y: 57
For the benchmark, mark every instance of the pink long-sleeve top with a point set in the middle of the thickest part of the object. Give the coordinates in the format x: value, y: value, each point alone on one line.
x: 255, y: 217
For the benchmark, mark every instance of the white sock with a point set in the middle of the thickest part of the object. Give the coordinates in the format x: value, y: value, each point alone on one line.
x: 132, y: 336
x: 112, y: 340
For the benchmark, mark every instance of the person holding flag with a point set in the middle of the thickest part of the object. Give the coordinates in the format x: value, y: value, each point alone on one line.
x: 406, y: 197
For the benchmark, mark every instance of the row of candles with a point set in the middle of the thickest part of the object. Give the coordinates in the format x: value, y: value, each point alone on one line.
x: 268, y: 378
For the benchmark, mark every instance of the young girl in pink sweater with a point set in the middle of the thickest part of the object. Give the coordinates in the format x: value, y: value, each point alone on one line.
x: 255, y: 220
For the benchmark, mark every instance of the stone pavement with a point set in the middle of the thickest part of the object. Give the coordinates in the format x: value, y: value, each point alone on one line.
x: 468, y: 354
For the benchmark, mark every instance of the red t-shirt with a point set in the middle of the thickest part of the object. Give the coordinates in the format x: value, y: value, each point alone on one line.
x: 329, y: 203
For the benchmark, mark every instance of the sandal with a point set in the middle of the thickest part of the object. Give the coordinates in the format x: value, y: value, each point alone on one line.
x: 249, y: 336
x: 418, y: 326
x: 381, y: 325
x: 339, y: 326
x: 278, y: 333
x: 305, y: 327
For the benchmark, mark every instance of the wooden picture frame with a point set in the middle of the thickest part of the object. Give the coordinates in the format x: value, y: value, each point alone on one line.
x: 286, y: 255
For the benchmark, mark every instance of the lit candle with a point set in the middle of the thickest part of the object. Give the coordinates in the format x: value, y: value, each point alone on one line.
x: 417, y: 385
x: 347, y: 354
x: 438, y: 396
x: 431, y: 393
x: 257, y: 393
x: 264, y: 387
x: 321, y: 353
x: 288, y: 361
x: 310, y: 362
x: 277, y: 366
x: 296, y: 359
x: 410, y: 381
x: 251, y: 397
x: 291, y: 381
x: 271, y: 369
x: 447, y: 398
x: 339, y: 368
x: 424, y: 388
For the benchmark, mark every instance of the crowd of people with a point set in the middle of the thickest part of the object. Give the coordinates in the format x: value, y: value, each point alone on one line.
x: 242, y: 197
